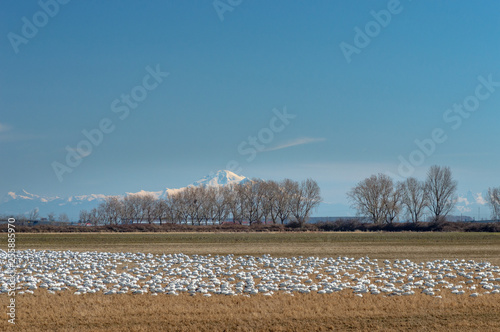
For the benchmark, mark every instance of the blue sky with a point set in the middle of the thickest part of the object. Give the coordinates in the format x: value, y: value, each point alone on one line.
x: 351, y: 118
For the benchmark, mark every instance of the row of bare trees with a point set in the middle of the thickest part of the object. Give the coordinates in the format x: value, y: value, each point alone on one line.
x: 253, y: 201
x: 34, y: 215
x: 383, y: 201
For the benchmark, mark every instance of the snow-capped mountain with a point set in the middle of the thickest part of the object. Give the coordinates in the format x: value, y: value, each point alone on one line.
x: 23, y: 202
x: 31, y: 197
x: 221, y: 178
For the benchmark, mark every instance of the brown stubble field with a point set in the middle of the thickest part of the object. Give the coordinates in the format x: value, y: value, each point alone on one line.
x: 415, y: 246
x: 281, y: 312
x: 311, y: 312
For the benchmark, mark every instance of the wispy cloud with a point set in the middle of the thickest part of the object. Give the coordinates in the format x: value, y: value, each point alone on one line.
x: 295, y: 142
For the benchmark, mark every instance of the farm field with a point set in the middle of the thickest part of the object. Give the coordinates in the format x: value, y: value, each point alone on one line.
x: 415, y: 246
x: 280, y: 312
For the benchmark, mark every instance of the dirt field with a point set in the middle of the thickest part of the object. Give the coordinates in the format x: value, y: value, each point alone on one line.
x: 311, y: 312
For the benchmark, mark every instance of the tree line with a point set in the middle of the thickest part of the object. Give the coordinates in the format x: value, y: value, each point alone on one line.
x: 382, y: 200
x: 34, y: 215
x: 378, y: 198
x: 254, y: 201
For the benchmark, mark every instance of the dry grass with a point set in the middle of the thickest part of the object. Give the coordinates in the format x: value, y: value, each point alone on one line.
x: 312, y: 312
x: 67, y: 312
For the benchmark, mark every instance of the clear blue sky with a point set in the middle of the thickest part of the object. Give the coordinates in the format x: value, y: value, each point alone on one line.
x: 352, y: 119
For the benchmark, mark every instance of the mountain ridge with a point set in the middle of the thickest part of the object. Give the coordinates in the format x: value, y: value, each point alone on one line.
x: 24, y: 202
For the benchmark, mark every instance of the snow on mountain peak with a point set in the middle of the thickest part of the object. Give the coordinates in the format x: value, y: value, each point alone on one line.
x: 221, y: 178
x: 21, y: 201
x: 156, y: 194
x: 86, y: 198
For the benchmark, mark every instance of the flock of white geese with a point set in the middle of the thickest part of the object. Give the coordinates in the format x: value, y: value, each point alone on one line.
x: 112, y: 273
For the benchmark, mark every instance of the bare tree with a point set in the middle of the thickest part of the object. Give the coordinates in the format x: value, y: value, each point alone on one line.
x: 51, y: 216
x: 84, y: 216
x: 162, y: 209
x: 180, y: 203
x: 284, y: 199
x: 307, y: 196
x: 253, y: 194
x: 394, y: 203
x: 147, y: 206
x: 221, y: 203
x: 172, y: 212
x: 270, y: 198
x: 440, y: 188
x: 33, y: 214
x: 132, y: 209
x: 93, y: 217
x: 63, y: 217
x: 21, y: 219
x: 96, y: 216
x: 112, y: 208
x: 494, y: 202
x: 370, y: 197
x: 414, y: 198
x: 236, y: 203
x: 209, y: 204
x: 193, y: 200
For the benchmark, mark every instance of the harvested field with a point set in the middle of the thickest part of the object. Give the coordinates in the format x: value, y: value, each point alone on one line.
x: 415, y: 246
x: 281, y: 312
x: 340, y: 312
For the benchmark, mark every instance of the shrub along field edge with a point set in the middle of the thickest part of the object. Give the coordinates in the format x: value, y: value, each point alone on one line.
x: 347, y: 225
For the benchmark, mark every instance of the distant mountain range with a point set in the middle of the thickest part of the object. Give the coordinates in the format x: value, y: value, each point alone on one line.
x: 14, y: 203
x: 23, y: 202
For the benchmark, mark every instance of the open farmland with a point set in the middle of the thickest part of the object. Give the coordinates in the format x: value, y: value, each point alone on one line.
x: 340, y: 310
x: 415, y: 246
